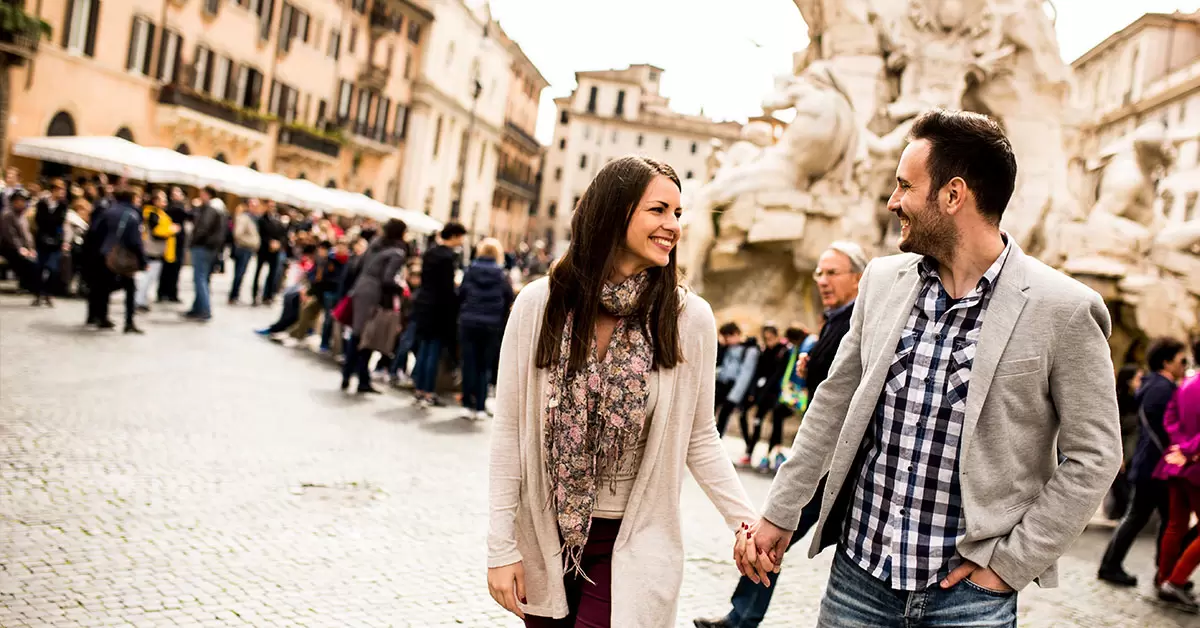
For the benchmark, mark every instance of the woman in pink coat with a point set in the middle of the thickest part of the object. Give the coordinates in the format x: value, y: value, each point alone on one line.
x: 1180, y: 468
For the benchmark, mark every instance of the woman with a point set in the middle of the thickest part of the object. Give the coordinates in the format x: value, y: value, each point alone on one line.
x: 1129, y: 379
x: 1180, y: 467
x: 78, y: 219
x: 160, y: 246
x: 585, y: 505
x: 377, y: 284
x: 486, y: 296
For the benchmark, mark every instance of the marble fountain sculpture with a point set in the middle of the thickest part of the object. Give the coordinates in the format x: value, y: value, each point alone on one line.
x: 775, y: 201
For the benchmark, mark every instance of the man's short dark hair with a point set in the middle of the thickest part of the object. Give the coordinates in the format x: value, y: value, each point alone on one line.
x: 308, y: 249
x: 795, y: 335
x: 124, y: 194
x: 769, y: 328
x: 1161, y: 351
x: 395, y: 230
x: 210, y: 191
x: 325, y: 244
x: 974, y: 147
x: 729, y: 329
x: 453, y: 230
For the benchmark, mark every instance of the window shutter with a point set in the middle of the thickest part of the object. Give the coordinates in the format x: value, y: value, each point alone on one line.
x: 160, y: 70
x: 66, y: 31
x: 133, y: 40
x: 178, y: 58
x: 255, y: 97
x: 89, y: 47
x: 149, y: 39
x: 208, y: 71
x: 231, y: 81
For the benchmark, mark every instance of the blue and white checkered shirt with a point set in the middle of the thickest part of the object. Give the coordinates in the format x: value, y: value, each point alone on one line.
x: 906, y: 514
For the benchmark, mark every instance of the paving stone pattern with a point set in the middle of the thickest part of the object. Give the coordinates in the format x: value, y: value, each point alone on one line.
x: 201, y: 476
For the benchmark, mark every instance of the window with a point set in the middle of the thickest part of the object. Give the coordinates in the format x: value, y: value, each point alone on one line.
x: 285, y: 27
x: 653, y: 76
x: 694, y: 147
x: 265, y: 9
x: 407, y: 65
x: 364, y: 108
x: 558, y: 174
x: 591, y: 108
x: 689, y: 174
x: 224, y: 71
x: 667, y: 144
x: 437, y: 137
x: 552, y: 209
x: 353, y: 38
x: 562, y: 144
x: 335, y: 44
x: 616, y: 137
x: 169, y: 58
x: 582, y: 162
x: 322, y: 110
x: 641, y: 139
x: 203, y: 69
x: 620, y: 103
x: 382, y: 113
x: 562, y: 117
x: 587, y: 132
x: 283, y: 101
x: 345, y: 91
x: 141, y: 43
x: 414, y: 32
x: 212, y: 6
x: 248, y: 93
x: 82, y: 17
x: 400, y: 129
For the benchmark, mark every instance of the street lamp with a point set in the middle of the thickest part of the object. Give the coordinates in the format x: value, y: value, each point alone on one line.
x: 462, y: 154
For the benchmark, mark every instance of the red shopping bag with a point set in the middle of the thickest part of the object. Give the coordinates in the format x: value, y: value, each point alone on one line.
x: 343, y: 312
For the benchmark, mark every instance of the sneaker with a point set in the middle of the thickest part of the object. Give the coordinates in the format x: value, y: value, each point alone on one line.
x: 467, y: 414
x: 1117, y: 576
x: 482, y: 415
x: 779, y: 460
x: 263, y: 332
x: 133, y: 329
x: 744, y: 461
x: 764, y: 465
x: 1178, y: 597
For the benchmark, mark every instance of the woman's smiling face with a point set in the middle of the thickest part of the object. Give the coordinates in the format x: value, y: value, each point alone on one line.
x: 654, y: 230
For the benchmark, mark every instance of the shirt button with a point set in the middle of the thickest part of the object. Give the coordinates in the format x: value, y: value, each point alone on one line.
x: 941, y: 337
x: 929, y: 380
x: 910, y: 467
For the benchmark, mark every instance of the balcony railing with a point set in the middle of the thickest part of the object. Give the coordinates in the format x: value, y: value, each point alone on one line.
x: 373, y: 77
x: 20, y: 32
x: 514, y: 178
x: 181, y: 96
x: 304, y: 138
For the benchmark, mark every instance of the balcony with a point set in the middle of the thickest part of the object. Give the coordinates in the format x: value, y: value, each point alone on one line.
x: 309, y: 139
x: 523, y: 137
x: 373, y: 77
x: 20, y: 33
x: 386, y: 18
x: 188, y: 99
x: 511, y: 179
x: 370, y: 138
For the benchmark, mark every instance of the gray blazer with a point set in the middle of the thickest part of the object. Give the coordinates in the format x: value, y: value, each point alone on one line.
x: 1042, y: 382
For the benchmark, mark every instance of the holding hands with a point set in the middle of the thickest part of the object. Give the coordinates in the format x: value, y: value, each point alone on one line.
x: 758, y: 550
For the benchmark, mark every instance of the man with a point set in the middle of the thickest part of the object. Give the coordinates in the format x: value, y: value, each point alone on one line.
x: 50, y: 220
x: 435, y: 311
x: 735, y: 372
x: 321, y: 284
x: 1165, y: 361
x: 246, y: 242
x: 16, y: 240
x: 207, y: 240
x: 12, y: 183
x: 768, y: 377
x: 168, y: 282
x: 272, y: 235
x: 120, y: 225
x: 969, y: 367
x: 838, y: 272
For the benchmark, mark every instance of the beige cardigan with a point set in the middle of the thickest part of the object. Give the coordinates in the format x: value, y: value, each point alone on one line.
x: 647, y: 561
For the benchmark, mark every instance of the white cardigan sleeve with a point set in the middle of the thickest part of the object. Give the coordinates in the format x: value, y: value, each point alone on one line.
x: 504, y: 485
x: 706, y: 457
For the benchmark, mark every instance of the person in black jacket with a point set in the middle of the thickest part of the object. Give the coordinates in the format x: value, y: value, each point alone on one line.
x: 435, y: 312
x: 486, y: 296
x: 207, y: 239
x: 768, y: 379
x: 50, y: 222
x: 272, y: 235
x: 168, y: 281
x: 839, y: 269
x: 120, y: 225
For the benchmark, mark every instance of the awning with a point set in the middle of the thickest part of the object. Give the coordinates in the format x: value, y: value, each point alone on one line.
x: 163, y: 165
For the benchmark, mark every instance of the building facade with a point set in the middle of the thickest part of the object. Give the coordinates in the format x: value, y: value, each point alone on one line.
x: 1148, y: 72
x: 610, y: 114
x: 315, y: 89
x: 514, y: 202
x: 457, y: 117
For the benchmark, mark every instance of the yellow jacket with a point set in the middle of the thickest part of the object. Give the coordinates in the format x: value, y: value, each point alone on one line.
x: 160, y: 229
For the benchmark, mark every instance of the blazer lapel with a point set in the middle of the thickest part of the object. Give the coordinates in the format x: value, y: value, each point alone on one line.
x: 998, y: 323
x: 899, y: 306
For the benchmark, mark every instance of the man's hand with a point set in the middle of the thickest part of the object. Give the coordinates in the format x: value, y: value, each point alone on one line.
x: 759, y: 549
x: 274, y: 245
x: 507, y: 586
x: 802, y: 365
x: 981, y: 576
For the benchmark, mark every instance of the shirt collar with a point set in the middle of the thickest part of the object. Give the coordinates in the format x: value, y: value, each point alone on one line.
x: 832, y: 312
x: 928, y: 268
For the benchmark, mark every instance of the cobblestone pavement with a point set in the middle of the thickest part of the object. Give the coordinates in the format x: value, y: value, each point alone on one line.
x: 199, y: 475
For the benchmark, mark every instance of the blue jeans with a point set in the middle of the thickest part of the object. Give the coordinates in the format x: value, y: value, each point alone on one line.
x: 479, y: 344
x: 425, y: 372
x: 202, y: 265
x: 856, y: 599
x: 48, y: 259
x: 404, y: 346
x: 241, y: 262
x: 750, y: 601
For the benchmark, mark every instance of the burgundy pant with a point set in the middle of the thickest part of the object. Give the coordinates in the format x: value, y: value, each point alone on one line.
x: 590, y: 605
x: 1176, y: 562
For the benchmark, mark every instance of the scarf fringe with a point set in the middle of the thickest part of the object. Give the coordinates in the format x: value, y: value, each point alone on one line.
x: 573, y: 562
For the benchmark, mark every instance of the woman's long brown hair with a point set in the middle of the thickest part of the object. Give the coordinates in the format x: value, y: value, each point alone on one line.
x: 597, y: 237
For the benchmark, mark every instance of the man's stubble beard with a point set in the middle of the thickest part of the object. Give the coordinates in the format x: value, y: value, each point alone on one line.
x: 932, y: 235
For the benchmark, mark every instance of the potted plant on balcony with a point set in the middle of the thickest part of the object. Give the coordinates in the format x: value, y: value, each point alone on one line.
x: 20, y: 33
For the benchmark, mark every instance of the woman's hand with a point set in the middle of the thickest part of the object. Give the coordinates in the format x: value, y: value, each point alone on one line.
x: 1175, y: 457
x: 507, y: 586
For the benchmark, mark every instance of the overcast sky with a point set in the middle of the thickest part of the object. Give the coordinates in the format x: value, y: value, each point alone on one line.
x: 720, y: 55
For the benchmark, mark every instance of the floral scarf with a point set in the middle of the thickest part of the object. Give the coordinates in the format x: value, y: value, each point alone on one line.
x: 595, y: 415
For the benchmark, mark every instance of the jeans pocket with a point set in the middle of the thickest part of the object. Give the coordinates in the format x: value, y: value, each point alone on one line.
x: 986, y: 591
